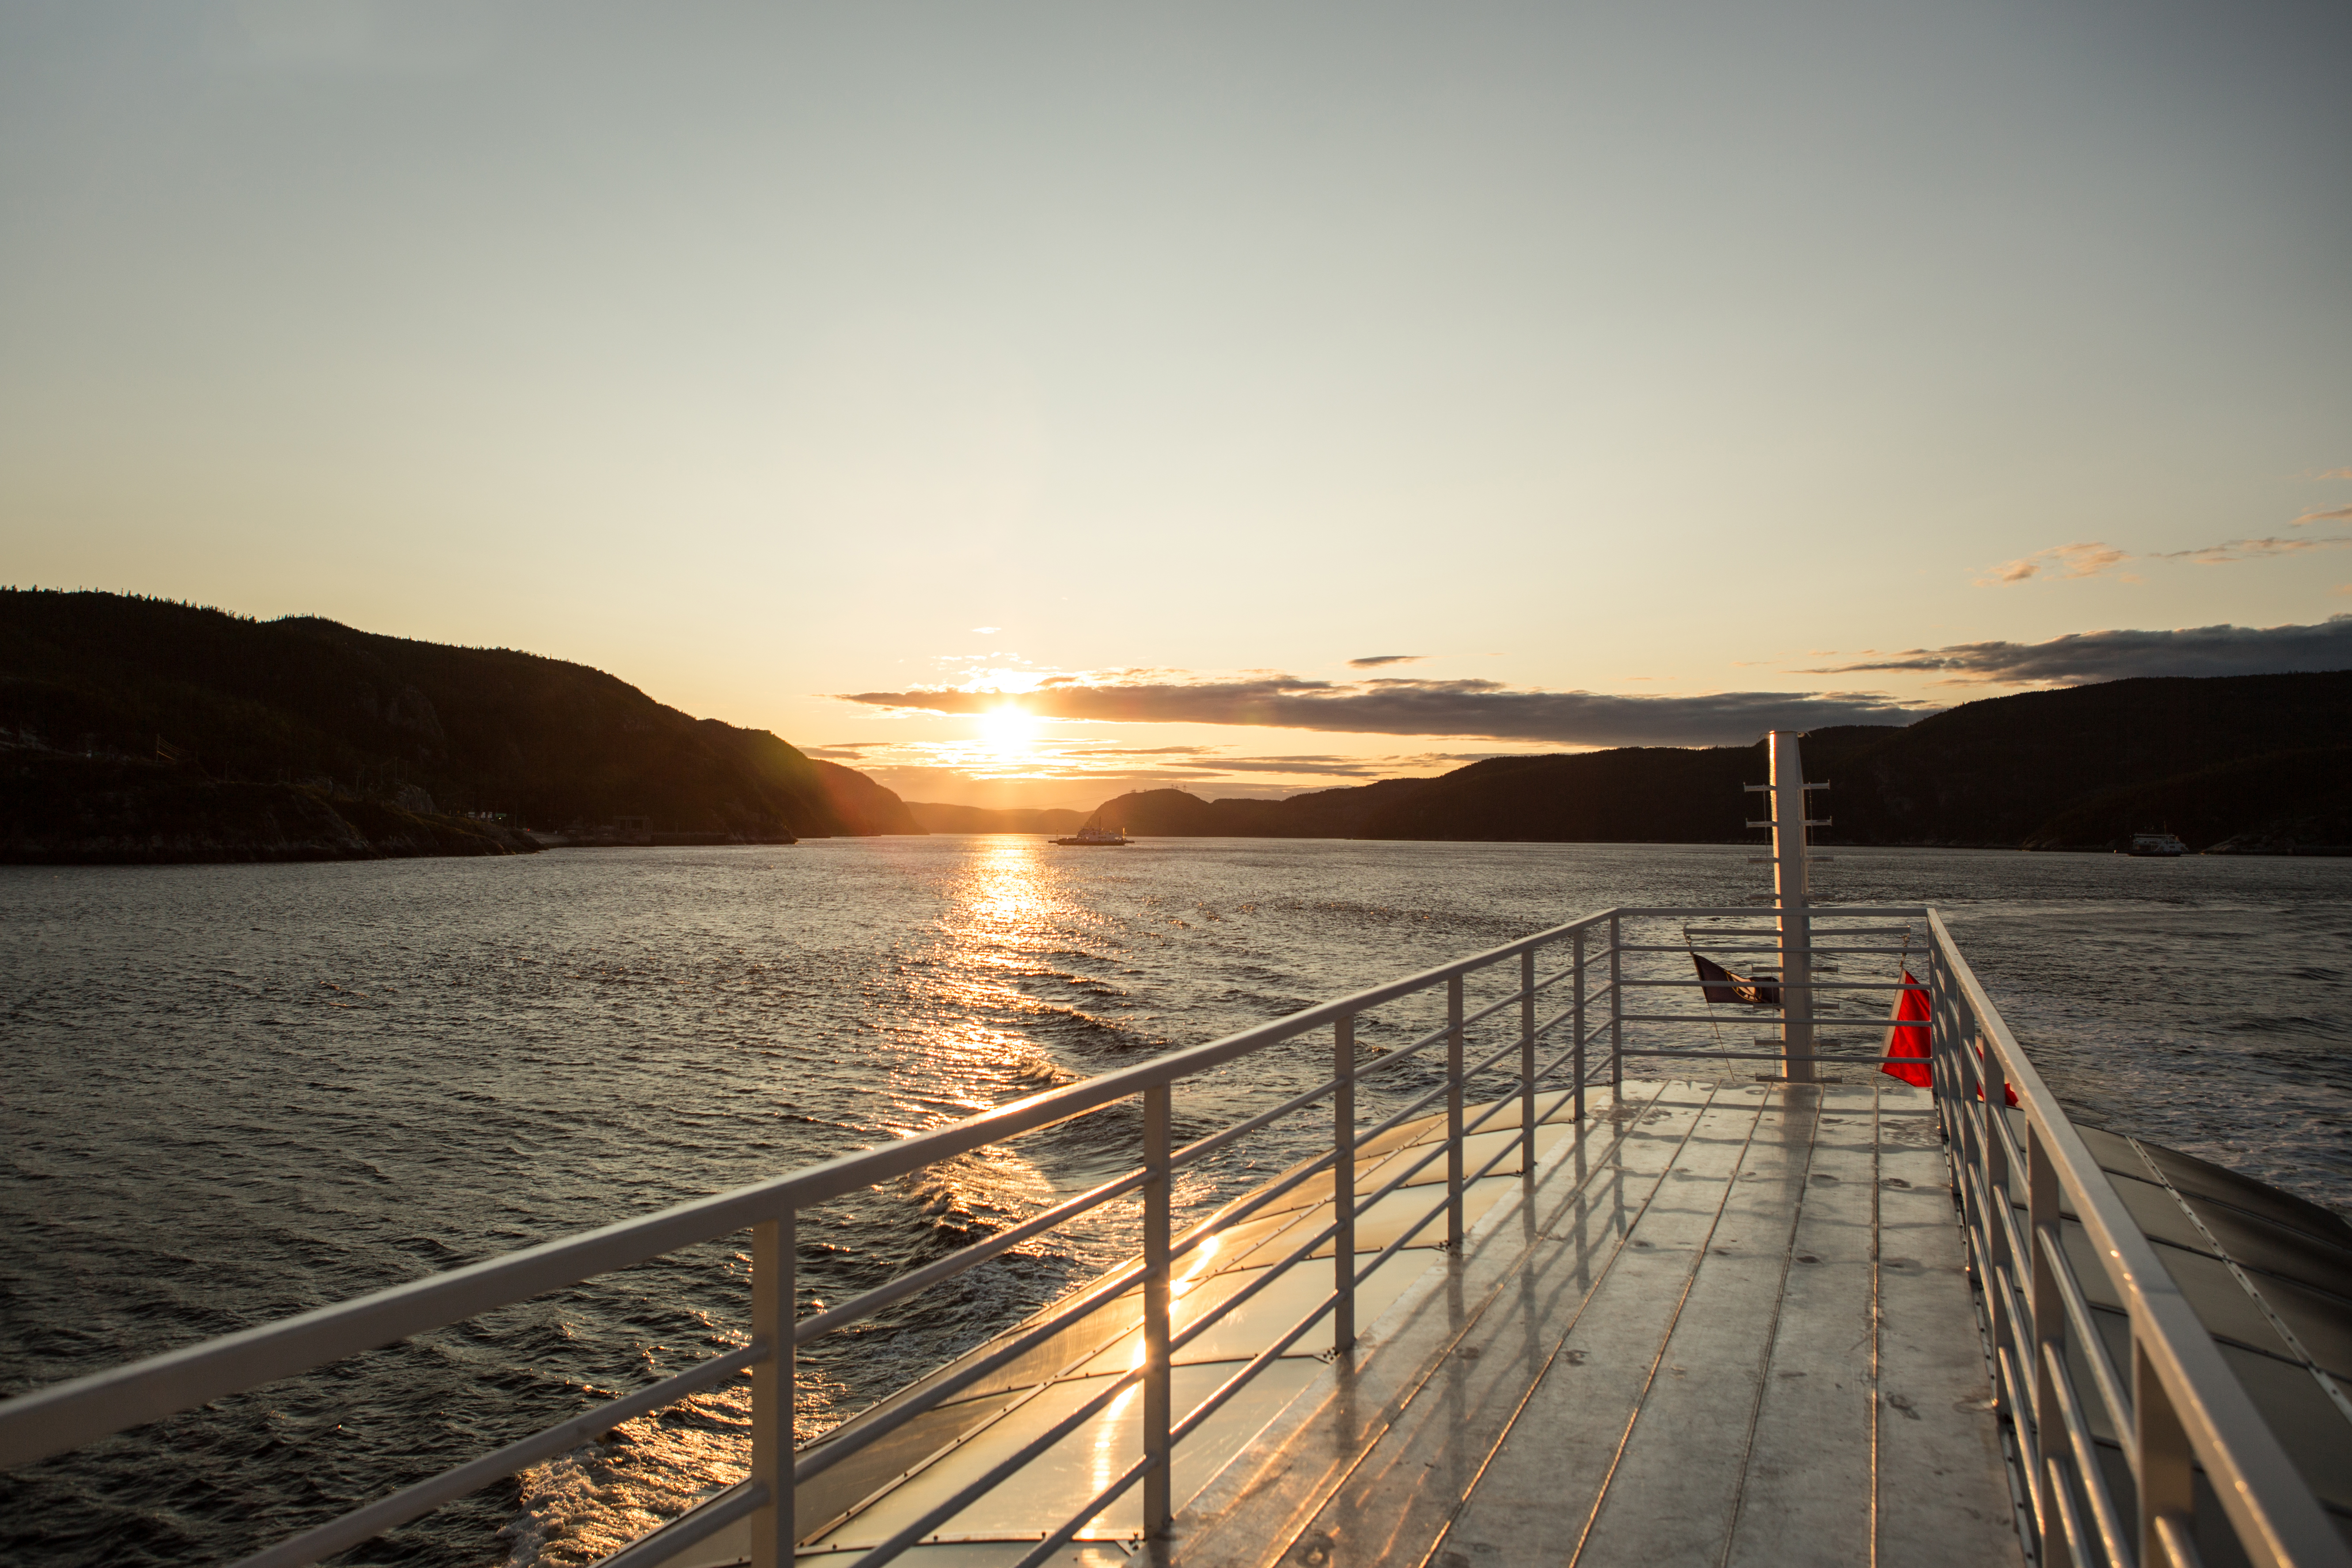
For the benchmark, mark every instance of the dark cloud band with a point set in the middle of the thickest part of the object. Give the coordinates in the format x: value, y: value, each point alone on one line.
x: 1392, y: 707
x: 2120, y: 655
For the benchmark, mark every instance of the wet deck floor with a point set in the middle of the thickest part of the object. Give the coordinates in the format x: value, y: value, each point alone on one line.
x: 1732, y: 1328
x: 1726, y: 1324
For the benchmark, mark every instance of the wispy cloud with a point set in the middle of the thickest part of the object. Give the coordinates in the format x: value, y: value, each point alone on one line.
x: 2328, y: 514
x: 1398, y: 707
x: 2087, y: 559
x: 2092, y: 559
x: 2120, y: 655
x: 2253, y: 549
x: 1373, y: 661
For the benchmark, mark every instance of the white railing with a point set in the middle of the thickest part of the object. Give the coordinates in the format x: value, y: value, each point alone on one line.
x: 1568, y: 990
x: 2175, y: 1409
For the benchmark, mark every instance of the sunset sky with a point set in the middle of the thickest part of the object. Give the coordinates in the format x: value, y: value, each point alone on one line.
x: 1026, y: 402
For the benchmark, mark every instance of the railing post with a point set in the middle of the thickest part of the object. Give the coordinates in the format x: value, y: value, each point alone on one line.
x: 1454, y: 1111
x: 1157, y: 1224
x: 2166, y: 1473
x: 1576, y: 1020
x: 1616, y: 1006
x: 1528, y: 1064
x: 773, y: 1243
x: 2048, y: 1306
x: 1343, y: 1180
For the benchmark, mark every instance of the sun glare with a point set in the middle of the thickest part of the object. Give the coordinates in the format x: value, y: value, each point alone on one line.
x: 1008, y: 727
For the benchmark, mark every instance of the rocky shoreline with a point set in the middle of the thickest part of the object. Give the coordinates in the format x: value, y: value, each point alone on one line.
x: 74, y: 811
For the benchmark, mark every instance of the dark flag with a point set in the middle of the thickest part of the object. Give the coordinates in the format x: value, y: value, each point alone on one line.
x: 1719, y: 985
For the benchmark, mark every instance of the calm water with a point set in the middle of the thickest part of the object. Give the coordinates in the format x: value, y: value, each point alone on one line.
x: 228, y: 1093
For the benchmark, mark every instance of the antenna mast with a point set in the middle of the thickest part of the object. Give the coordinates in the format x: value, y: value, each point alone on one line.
x: 1790, y: 889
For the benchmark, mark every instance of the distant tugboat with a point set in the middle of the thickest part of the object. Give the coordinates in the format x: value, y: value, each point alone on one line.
x: 2156, y: 844
x: 1094, y: 832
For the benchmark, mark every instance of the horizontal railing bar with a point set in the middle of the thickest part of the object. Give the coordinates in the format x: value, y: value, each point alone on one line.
x: 1824, y: 1020
x: 1546, y: 981
x: 1393, y: 1058
x: 386, y: 1514
x: 839, y: 1445
x: 1257, y: 1364
x: 1199, y: 1147
x: 1748, y: 911
x: 1773, y: 1057
x: 2018, y: 1399
x: 1224, y: 1219
x: 1815, y: 984
x: 980, y: 1485
x: 1267, y: 1274
x: 2086, y: 1457
x: 2069, y: 1519
x: 2093, y: 1343
x: 1772, y: 933
x: 695, y: 1525
x: 955, y: 1263
x: 1444, y: 1201
x: 64, y: 1415
x: 1771, y: 947
x: 1035, y: 1556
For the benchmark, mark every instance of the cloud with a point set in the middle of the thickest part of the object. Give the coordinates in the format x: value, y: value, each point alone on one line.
x: 2087, y: 560
x: 1398, y: 706
x: 2255, y: 549
x: 988, y: 631
x: 2120, y: 655
x: 2328, y: 514
x: 1373, y: 661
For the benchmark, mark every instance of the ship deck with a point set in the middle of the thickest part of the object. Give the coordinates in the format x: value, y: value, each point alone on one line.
x: 1725, y: 1323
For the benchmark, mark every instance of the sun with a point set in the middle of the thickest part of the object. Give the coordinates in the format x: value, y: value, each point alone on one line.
x: 1008, y: 727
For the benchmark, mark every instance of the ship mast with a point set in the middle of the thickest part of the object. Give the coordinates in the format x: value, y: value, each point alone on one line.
x: 1789, y: 890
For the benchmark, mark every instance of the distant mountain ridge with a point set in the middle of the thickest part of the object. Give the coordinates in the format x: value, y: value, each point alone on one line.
x: 166, y: 706
x: 2256, y: 762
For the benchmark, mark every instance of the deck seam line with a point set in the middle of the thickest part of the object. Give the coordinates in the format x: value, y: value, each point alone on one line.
x: 1877, y: 1298
x: 1601, y: 1498
x: 1624, y: 1130
x: 1772, y: 1335
x: 1534, y: 1383
x: 2334, y: 1390
x: 1621, y: 1129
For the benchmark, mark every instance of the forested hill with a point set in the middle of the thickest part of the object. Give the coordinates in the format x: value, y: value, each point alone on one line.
x: 97, y: 680
x: 2253, y: 762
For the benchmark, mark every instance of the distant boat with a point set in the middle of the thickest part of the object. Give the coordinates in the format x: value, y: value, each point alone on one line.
x: 2156, y: 844
x: 1094, y: 832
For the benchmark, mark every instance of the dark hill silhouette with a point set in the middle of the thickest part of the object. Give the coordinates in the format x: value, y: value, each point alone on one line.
x: 2251, y: 762
x: 308, y: 703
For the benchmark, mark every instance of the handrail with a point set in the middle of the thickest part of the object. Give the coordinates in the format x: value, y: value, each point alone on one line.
x: 2186, y: 1407
x: 2177, y: 1405
x: 69, y: 1415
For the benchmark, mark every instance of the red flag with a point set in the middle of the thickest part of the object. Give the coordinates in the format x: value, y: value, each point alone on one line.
x: 1907, y: 1035
x: 1910, y: 1006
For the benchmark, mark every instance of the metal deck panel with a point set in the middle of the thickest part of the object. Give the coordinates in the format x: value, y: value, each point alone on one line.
x: 1681, y: 1362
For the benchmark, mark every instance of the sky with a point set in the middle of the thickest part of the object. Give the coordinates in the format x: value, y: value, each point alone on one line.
x: 1030, y: 402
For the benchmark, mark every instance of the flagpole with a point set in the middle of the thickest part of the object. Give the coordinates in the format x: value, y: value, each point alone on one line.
x: 1789, y: 887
